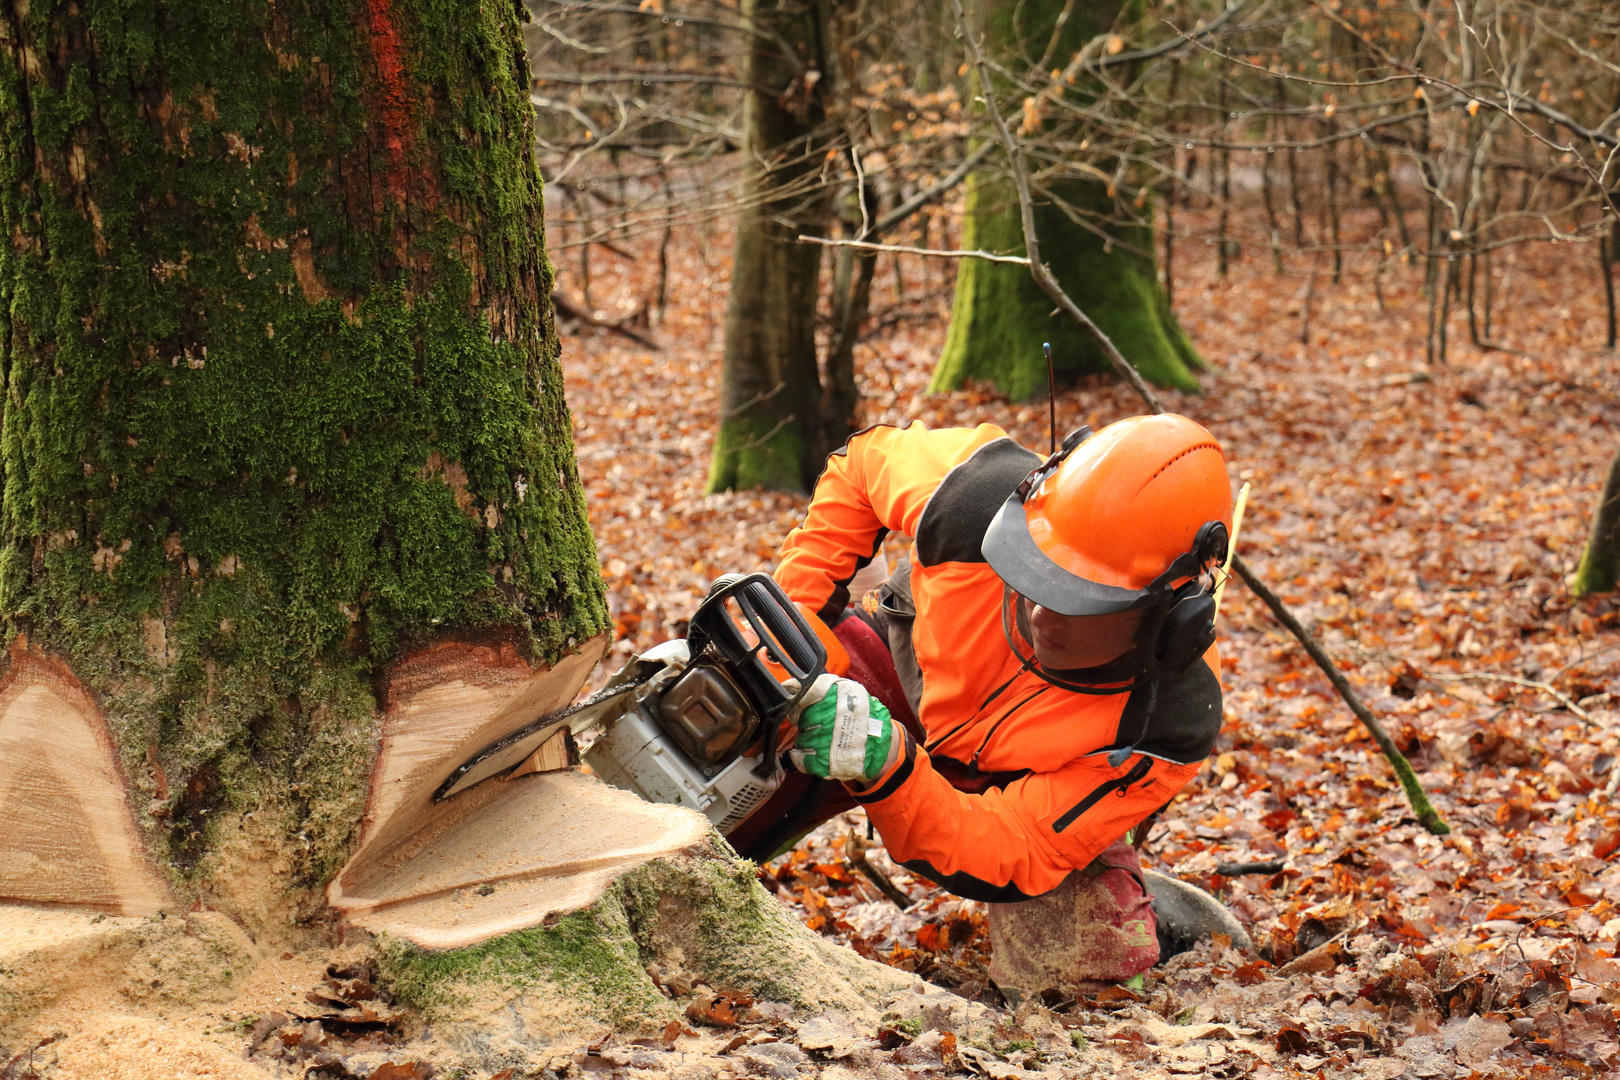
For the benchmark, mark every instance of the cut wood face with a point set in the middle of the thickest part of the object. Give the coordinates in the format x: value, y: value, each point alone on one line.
x: 67, y: 836
x: 509, y: 853
x: 504, y: 854
x: 442, y: 705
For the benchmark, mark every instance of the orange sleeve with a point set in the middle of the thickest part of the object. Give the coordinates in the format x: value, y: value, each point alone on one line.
x: 1024, y: 839
x: 878, y: 482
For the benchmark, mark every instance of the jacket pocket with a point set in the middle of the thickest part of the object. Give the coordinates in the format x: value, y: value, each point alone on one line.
x: 1118, y: 785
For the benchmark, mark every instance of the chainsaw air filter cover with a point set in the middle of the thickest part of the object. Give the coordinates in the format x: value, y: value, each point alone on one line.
x: 707, y: 715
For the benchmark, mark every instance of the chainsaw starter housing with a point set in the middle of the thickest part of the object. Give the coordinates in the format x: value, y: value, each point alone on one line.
x: 639, y: 753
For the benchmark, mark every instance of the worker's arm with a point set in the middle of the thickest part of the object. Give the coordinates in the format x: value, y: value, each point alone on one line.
x: 1023, y: 839
x: 880, y: 481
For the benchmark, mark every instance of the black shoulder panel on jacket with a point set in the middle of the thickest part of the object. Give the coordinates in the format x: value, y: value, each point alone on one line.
x: 1186, y: 718
x: 953, y: 524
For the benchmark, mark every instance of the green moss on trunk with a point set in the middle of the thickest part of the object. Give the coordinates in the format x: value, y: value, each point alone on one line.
x: 702, y: 912
x: 281, y: 384
x: 588, y: 958
x: 1599, y: 570
x: 749, y: 453
x: 1000, y: 317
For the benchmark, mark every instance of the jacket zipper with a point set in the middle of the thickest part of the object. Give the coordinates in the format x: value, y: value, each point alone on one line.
x: 1119, y: 785
x: 935, y: 744
x: 973, y: 762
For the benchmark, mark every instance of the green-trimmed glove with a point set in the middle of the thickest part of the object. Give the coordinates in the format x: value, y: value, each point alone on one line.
x: 844, y: 732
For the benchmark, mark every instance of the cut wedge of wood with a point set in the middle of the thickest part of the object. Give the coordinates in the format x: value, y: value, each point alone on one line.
x: 67, y: 837
x: 505, y: 853
x: 443, y: 704
x: 508, y: 854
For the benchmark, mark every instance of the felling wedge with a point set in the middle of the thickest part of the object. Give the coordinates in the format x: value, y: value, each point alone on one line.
x: 67, y: 837
x: 502, y: 854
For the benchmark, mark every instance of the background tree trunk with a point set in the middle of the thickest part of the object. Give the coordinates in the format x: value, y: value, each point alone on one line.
x: 1000, y: 316
x: 770, y: 390
x: 1599, y: 570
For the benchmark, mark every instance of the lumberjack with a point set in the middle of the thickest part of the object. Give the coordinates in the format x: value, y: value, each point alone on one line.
x: 1030, y: 686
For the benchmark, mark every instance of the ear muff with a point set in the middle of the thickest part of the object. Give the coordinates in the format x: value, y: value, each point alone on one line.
x: 1209, y: 544
x: 1188, y: 629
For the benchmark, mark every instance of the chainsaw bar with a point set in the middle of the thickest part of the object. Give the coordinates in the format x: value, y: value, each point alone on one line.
x: 509, y: 751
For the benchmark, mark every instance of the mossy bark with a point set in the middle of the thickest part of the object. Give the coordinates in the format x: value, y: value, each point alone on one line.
x: 1599, y: 570
x: 702, y: 913
x: 770, y: 390
x: 281, y: 389
x: 1001, y: 317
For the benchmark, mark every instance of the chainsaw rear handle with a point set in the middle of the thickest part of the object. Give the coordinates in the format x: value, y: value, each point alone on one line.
x: 784, y: 638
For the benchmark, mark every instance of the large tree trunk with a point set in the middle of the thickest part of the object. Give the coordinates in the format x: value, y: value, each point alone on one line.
x: 282, y: 406
x: 291, y: 523
x: 1001, y: 317
x: 770, y: 391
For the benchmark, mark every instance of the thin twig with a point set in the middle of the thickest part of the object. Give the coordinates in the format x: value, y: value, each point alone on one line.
x: 1016, y: 260
x: 1426, y: 814
x: 860, y: 192
x: 1490, y: 676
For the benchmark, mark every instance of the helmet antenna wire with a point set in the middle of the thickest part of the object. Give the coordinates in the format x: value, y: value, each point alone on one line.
x: 1051, y: 400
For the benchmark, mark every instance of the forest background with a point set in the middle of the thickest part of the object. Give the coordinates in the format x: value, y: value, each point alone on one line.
x: 1386, y: 231
x: 266, y: 598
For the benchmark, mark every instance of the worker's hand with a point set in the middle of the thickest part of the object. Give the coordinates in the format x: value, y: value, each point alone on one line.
x: 844, y: 732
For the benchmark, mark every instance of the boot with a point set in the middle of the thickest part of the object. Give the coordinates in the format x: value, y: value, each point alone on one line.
x: 1187, y: 915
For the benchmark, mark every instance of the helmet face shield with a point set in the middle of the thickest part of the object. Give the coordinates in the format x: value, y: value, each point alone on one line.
x: 1014, y: 556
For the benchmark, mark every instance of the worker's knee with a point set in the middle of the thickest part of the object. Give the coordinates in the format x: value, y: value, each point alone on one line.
x: 1097, y: 926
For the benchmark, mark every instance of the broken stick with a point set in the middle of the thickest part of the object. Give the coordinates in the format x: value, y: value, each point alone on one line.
x: 1426, y: 814
x: 855, y: 852
x: 569, y: 309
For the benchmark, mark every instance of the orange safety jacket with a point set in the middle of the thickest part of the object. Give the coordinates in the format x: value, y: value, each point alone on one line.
x: 1050, y: 802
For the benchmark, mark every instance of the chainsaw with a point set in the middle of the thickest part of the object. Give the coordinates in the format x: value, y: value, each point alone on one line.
x: 692, y: 721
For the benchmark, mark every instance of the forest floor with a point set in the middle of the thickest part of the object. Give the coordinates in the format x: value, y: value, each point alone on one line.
x: 1421, y: 520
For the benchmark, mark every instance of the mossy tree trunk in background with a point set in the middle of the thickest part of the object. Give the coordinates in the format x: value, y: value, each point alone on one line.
x: 770, y: 390
x: 1000, y: 316
x: 282, y: 405
x: 1599, y: 571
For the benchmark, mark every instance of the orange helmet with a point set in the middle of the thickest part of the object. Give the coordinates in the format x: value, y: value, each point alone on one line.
x: 1114, y: 520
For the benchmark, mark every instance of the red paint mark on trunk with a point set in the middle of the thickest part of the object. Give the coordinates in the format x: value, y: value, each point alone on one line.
x: 393, y: 108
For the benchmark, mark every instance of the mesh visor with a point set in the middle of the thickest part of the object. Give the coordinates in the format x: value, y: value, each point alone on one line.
x: 1014, y: 556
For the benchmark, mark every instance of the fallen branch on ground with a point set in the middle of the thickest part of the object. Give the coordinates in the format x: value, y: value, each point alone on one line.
x: 855, y: 852
x: 1487, y: 676
x: 1426, y: 814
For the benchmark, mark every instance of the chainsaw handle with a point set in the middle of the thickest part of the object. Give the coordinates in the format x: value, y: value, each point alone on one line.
x: 784, y: 627
x: 784, y: 637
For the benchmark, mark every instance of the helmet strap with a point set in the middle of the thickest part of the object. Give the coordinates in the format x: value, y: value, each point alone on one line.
x: 1038, y: 475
